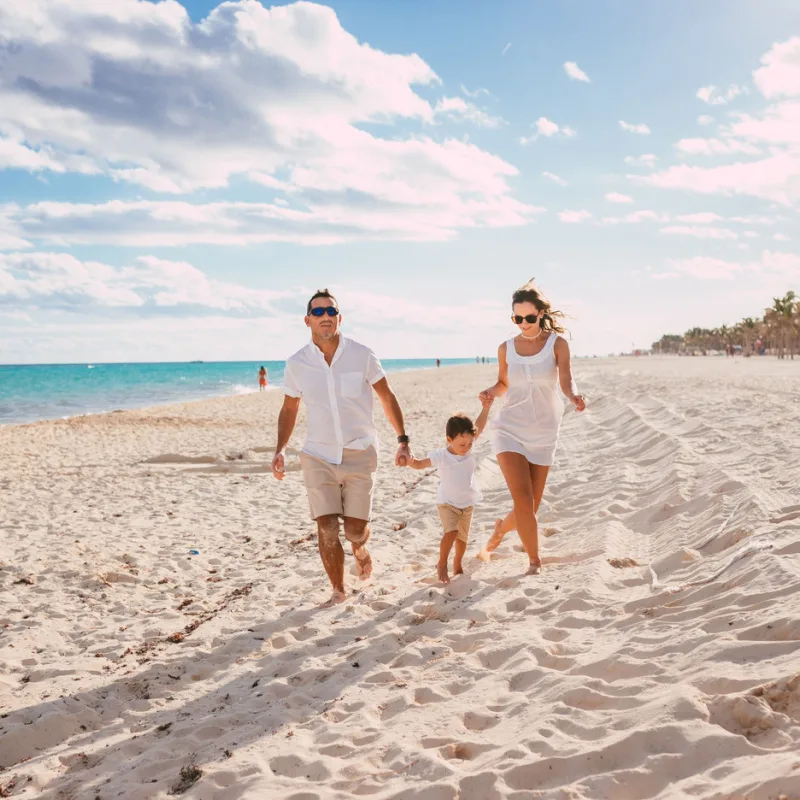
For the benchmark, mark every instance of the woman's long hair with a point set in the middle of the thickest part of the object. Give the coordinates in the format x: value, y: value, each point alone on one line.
x: 551, y: 319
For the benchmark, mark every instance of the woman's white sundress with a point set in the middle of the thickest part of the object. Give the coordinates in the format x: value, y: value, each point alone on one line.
x: 529, y: 420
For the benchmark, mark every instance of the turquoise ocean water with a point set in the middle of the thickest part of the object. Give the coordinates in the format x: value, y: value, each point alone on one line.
x: 53, y: 391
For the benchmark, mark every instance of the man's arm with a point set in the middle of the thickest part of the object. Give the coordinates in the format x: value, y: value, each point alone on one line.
x: 393, y: 412
x: 286, y: 422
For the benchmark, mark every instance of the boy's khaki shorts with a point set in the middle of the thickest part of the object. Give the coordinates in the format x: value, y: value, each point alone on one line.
x: 456, y: 519
x: 344, y: 489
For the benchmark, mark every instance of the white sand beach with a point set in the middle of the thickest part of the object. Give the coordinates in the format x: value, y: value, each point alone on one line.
x: 657, y: 655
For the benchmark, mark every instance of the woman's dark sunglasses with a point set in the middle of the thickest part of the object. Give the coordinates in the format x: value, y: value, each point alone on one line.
x: 529, y: 318
x: 331, y: 311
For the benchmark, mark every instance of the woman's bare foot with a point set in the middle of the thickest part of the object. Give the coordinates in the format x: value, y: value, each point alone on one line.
x: 363, y: 562
x: 336, y: 598
x: 535, y: 567
x: 441, y: 569
x: 496, y: 538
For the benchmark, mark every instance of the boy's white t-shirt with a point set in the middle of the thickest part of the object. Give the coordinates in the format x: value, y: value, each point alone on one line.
x: 457, y: 484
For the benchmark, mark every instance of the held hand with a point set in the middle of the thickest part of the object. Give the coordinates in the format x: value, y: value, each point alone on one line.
x: 578, y: 401
x: 278, y: 467
x: 486, y: 397
x: 403, y: 455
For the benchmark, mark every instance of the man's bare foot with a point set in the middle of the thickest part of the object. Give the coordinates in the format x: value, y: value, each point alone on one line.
x: 336, y: 598
x: 496, y: 537
x: 441, y: 569
x: 457, y: 568
x: 535, y: 567
x: 363, y: 562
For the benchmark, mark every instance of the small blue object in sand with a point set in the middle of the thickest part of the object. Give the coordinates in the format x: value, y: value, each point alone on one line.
x: 194, y: 552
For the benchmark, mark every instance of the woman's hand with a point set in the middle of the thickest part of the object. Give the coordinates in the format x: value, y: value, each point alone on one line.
x: 578, y: 401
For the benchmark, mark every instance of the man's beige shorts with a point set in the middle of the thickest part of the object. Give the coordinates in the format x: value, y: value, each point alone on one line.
x: 344, y: 489
x: 456, y: 519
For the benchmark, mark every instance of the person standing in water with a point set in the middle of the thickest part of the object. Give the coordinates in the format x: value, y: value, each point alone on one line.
x: 262, y: 379
x: 524, y: 434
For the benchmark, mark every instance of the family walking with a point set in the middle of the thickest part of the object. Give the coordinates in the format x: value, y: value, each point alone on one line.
x: 336, y: 376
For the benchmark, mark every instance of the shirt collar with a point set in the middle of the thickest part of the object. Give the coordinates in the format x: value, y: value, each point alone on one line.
x: 317, y: 353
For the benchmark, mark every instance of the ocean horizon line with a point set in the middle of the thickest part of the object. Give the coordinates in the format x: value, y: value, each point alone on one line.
x: 36, y: 392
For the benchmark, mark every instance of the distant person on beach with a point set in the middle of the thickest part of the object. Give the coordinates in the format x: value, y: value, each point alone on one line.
x: 438, y: 362
x: 333, y: 374
x: 458, y: 490
x: 524, y: 434
x: 262, y: 379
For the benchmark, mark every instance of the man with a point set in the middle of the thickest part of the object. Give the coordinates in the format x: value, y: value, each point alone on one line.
x: 333, y: 374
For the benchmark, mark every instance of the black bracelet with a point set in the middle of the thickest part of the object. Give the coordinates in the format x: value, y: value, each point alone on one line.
x: 403, y: 439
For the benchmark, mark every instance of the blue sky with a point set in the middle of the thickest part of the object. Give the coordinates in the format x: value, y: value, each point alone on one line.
x: 175, y: 180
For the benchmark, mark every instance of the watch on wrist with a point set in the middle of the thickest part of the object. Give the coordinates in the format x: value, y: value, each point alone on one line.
x: 403, y: 439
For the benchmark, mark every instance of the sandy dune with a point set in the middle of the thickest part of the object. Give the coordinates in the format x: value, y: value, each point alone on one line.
x: 657, y: 655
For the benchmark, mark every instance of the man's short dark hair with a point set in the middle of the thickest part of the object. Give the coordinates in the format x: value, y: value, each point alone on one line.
x: 321, y: 293
x: 458, y: 424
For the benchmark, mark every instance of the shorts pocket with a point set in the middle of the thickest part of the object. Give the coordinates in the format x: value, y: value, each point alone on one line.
x: 352, y: 384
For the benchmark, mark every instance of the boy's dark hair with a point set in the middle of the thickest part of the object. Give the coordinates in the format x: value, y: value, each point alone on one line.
x: 320, y: 293
x: 457, y: 424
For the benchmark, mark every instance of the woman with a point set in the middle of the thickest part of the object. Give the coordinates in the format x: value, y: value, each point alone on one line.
x: 524, y: 433
x: 262, y: 379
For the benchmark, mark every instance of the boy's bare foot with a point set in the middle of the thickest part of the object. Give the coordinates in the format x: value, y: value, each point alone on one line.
x: 535, y: 567
x: 441, y: 569
x: 336, y: 598
x: 363, y: 562
x: 496, y: 537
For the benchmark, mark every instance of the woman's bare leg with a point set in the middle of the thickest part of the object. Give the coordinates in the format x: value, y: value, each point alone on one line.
x: 516, y: 471
x: 509, y: 523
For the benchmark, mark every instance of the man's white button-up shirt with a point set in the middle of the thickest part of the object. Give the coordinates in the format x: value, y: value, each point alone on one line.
x: 338, y: 397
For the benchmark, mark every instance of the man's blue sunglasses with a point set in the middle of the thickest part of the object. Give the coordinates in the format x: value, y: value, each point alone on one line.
x: 331, y: 311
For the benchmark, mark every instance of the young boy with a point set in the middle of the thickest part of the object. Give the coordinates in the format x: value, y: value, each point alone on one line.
x: 458, y: 489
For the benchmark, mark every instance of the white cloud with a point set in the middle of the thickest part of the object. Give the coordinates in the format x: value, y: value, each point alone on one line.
x: 419, y: 215
x: 707, y: 147
x: 700, y: 232
x: 705, y: 119
x: 456, y: 108
x: 773, y: 134
x: 769, y: 266
x: 636, y: 217
x: 557, y: 179
x: 706, y: 268
x: 719, y: 97
x: 475, y: 94
x: 639, y: 128
x: 506, y: 49
x: 645, y: 160
x: 282, y: 96
x: 574, y: 217
x: 575, y: 72
x: 59, y: 281
x: 547, y: 128
x: 701, y: 218
x: 780, y: 74
x: 616, y: 197
x: 781, y: 237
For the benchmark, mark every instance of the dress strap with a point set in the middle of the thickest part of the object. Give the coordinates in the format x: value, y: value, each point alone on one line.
x: 511, y: 350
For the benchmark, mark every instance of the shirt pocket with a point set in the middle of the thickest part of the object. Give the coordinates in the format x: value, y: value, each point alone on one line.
x: 352, y: 384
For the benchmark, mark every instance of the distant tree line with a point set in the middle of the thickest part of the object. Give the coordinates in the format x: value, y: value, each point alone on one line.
x: 777, y: 332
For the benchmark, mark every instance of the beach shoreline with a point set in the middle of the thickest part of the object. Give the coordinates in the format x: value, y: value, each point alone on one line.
x: 159, y: 594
